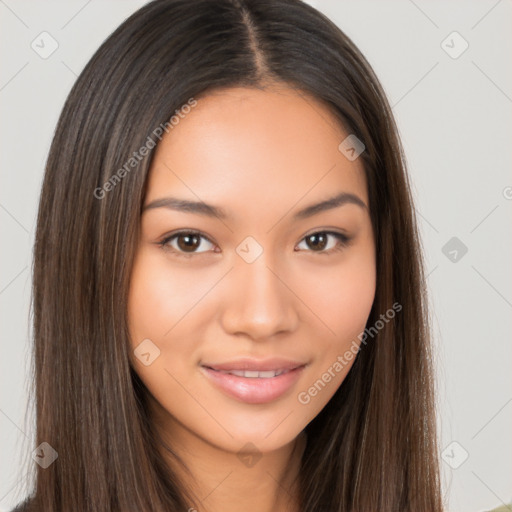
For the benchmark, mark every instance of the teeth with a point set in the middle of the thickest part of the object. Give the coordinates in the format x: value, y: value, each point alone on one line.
x: 251, y: 374
x: 270, y: 373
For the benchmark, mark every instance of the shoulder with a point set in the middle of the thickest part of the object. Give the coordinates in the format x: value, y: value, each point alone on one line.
x: 503, y: 508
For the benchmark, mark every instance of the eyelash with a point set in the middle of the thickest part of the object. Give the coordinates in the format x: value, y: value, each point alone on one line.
x: 343, y: 241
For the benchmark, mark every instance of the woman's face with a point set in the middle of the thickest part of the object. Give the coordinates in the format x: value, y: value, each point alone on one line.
x: 241, y: 328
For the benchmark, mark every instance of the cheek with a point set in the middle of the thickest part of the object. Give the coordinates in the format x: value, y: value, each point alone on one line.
x: 158, y: 303
x: 352, y: 295
x: 342, y: 299
x: 161, y: 298
x: 341, y: 296
x: 165, y: 306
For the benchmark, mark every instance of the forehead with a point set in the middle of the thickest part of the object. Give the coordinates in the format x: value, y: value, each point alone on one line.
x: 239, y: 146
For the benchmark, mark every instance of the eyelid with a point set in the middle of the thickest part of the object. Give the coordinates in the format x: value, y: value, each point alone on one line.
x: 329, y: 231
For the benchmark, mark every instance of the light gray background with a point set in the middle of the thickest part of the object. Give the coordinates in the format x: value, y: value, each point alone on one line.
x: 454, y: 117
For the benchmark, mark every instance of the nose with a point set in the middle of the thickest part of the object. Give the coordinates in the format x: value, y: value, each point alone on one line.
x: 259, y: 302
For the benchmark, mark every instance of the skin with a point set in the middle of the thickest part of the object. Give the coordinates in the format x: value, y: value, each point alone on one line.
x: 261, y: 155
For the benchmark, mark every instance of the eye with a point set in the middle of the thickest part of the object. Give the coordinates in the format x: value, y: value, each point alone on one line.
x: 325, y: 242
x: 187, y: 243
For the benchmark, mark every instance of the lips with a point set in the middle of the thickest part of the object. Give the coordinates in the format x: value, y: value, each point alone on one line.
x: 252, y: 381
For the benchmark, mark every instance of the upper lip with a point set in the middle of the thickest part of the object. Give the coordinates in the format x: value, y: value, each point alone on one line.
x: 256, y: 364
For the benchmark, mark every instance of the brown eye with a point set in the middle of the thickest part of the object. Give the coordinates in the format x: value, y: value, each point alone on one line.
x: 187, y: 243
x: 317, y: 241
x: 324, y: 241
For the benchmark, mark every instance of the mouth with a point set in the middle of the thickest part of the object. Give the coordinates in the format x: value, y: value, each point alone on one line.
x: 254, y: 382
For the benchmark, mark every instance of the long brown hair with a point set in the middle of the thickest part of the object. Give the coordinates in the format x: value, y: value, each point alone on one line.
x: 374, y: 445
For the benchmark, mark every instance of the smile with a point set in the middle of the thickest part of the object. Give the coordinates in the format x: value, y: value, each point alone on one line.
x: 253, y: 386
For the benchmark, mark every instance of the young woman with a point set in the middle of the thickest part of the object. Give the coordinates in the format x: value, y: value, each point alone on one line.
x: 229, y: 299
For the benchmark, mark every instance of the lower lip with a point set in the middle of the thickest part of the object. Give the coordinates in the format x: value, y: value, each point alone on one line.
x: 254, y: 390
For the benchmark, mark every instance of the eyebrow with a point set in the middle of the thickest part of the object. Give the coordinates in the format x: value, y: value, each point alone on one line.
x: 202, y: 208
